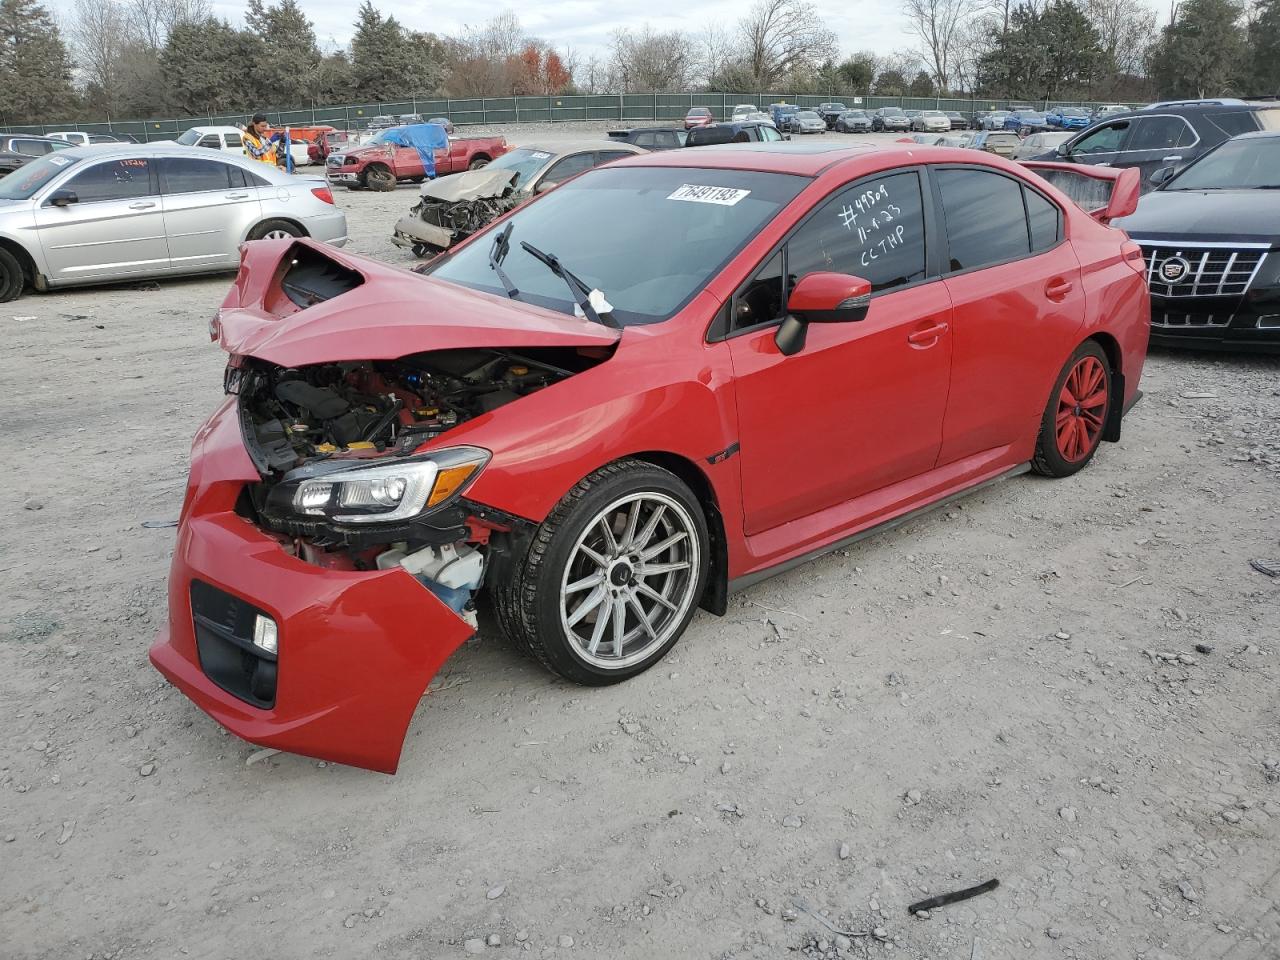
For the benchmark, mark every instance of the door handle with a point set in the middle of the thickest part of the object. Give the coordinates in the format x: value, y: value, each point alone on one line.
x: 142, y: 205
x: 1102, y: 164
x: 1174, y: 159
x: 237, y: 196
x: 1057, y: 289
x: 926, y: 336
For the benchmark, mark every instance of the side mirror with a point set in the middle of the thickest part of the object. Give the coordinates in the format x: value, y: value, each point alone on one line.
x: 822, y: 298
x: 545, y: 185
x: 1161, y: 175
x: 1062, y: 149
x: 63, y: 198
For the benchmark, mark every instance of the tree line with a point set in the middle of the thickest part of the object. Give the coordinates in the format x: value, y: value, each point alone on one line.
x: 151, y: 58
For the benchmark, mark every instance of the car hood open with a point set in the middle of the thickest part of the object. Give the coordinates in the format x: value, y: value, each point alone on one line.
x: 1221, y: 215
x: 379, y: 313
x: 472, y: 185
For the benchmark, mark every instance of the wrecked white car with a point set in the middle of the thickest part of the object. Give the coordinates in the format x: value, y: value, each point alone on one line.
x: 453, y: 208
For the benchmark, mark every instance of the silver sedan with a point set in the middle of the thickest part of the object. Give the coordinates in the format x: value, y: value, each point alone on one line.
x: 103, y: 213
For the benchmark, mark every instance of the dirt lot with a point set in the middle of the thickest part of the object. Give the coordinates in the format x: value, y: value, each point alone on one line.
x: 976, y: 695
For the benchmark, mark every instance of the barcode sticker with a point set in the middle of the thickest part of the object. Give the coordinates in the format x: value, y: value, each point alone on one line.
x: 721, y: 196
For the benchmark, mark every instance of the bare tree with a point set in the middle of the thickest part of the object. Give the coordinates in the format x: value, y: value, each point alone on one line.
x: 647, y: 62
x: 151, y: 21
x: 783, y: 37
x: 1126, y: 30
x: 937, y: 24
x: 99, y: 35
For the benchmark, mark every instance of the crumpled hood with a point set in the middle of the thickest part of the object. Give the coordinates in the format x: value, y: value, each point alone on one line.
x: 1244, y: 215
x: 472, y: 185
x: 392, y: 314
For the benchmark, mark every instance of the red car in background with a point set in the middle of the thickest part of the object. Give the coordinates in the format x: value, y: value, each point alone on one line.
x: 664, y: 380
x: 698, y: 117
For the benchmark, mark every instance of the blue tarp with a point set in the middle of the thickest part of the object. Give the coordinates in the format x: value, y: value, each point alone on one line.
x: 426, y: 138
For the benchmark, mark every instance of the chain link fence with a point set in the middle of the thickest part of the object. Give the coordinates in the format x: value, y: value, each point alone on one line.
x: 623, y: 109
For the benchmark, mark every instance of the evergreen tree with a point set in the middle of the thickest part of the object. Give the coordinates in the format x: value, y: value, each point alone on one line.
x: 35, y: 69
x: 389, y: 62
x: 921, y: 85
x: 291, y: 61
x: 1202, y: 53
x: 1264, y: 44
x: 214, y: 68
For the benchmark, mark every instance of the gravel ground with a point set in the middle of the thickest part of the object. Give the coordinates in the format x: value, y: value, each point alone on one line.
x: 1069, y: 686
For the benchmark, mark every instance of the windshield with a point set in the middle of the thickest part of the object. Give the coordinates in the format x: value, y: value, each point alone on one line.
x: 807, y: 115
x: 1250, y: 164
x: 379, y: 137
x: 855, y: 113
x: 892, y: 112
x: 935, y: 113
x: 671, y: 230
x: 23, y: 183
x: 189, y: 138
x: 699, y: 112
x: 525, y: 161
x: 1071, y: 112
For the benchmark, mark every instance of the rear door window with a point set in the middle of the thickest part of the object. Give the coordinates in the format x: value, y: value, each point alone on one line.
x: 233, y: 140
x: 985, y: 216
x: 1044, y: 220
x: 607, y: 155
x: 213, y: 142
x: 194, y: 175
x: 1235, y: 122
x: 113, y: 180
x: 1160, y: 133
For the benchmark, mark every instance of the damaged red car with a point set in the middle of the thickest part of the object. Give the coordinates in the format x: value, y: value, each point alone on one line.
x: 663, y: 381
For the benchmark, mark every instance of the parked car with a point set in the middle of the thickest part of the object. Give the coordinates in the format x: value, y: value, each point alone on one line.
x: 652, y: 138
x: 318, y: 151
x: 830, y: 112
x: 564, y: 418
x: 105, y: 213
x: 1171, y: 136
x: 698, y: 117
x: 805, y: 121
x: 782, y: 113
x: 746, y: 131
x: 890, y: 119
x: 224, y: 139
x: 1068, y: 118
x: 1026, y: 122
x: 958, y: 141
x: 382, y: 122
x: 1108, y: 110
x: 444, y: 122
x: 995, y: 120
x: 958, y: 120
x: 931, y: 121
x: 744, y: 110
x: 29, y: 145
x: 79, y: 138
x: 1039, y: 144
x: 1210, y: 234
x: 450, y: 210
x: 380, y: 163
x: 760, y: 117
x: 407, y: 119
x: 1000, y: 142
x: 853, y: 121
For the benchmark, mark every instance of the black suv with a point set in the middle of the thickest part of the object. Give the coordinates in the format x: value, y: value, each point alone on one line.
x: 830, y: 113
x: 1170, y: 134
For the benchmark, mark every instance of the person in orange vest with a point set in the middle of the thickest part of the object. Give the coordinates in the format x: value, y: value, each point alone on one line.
x: 259, y: 142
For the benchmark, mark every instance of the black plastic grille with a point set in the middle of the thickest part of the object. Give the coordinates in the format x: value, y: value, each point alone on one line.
x: 224, y: 642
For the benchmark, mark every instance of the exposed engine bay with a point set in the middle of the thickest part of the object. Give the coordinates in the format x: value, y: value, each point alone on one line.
x: 447, y: 214
x: 363, y: 409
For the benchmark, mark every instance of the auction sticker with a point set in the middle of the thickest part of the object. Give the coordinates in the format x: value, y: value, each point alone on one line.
x: 721, y: 196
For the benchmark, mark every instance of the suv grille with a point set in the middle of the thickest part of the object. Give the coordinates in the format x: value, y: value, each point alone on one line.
x: 1201, y: 270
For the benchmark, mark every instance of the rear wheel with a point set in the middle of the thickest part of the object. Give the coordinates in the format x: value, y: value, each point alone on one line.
x: 1076, y: 414
x: 275, y: 230
x: 378, y: 177
x: 12, y: 277
x: 612, y: 577
x: 477, y: 163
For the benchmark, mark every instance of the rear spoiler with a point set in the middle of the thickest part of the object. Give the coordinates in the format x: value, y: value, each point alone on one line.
x: 1087, y: 184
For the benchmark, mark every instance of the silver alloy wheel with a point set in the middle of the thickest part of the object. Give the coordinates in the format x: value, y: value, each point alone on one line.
x: 277, y: 234
x: 630, y: 580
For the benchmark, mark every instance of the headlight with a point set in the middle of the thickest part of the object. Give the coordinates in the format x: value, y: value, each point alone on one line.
x: 387, y: 492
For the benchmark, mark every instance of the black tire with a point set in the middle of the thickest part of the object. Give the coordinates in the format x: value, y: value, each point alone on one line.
x: 417, y: 179
x: 12, y: 277
x: 1056, y: 457
x: 380, y: 178
x: 477, y: 163
x: 279, y: 227
x: 528, y: 601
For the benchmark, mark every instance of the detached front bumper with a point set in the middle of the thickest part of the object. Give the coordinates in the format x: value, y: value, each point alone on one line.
x: 356, y: 650
x: 412, y: 231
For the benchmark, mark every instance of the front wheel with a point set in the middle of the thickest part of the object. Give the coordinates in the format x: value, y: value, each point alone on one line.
x: 380, y: 178
x: 12, y: 277
x: 1076, y: 415
x: 275, y: 230
x: 612, y: 577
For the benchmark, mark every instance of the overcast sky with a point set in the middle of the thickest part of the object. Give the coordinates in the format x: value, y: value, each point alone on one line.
x: 585, y: 25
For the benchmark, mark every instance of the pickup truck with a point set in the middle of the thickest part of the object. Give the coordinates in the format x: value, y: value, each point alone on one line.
x: 379, y: 164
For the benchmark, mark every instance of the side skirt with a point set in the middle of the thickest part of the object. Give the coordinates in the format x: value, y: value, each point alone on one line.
x: 751, y: 579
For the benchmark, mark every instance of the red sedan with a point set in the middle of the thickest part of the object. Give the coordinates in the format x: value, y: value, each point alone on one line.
x: 698, y: 117
x: 665, y: 380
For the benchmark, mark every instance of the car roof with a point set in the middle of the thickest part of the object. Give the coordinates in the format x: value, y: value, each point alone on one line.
x: 802, y: 159
x: 581, y: 146
x: 1258, y: 135
x: 101, y: 151
x: 31, y: 136
x: 214, y: 129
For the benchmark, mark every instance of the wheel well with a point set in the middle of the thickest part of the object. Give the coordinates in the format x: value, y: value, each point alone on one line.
x: 376, y: 166
x: 24, y: 258
x: 479, y: 156
x: 715, y: 596
x: 289, y: 220
x: 1110, y: 347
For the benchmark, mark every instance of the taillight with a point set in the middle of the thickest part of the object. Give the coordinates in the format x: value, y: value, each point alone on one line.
x: 1132, y: 254
x: 322, y: 193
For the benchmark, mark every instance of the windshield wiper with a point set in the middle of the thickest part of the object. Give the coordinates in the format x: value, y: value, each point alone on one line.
x: 497, y: 253
x: 581, y: 292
